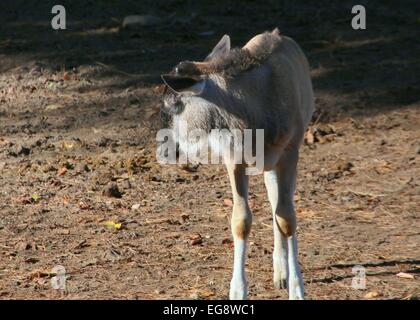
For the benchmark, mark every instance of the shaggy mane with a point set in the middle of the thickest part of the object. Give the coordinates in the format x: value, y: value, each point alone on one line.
x: 238, y: 60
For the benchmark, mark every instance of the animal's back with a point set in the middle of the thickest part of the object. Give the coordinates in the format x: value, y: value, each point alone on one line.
x: 293, y: 73
x: 279, y: 92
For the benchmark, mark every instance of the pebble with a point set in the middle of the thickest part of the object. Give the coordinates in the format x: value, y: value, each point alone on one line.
x: 135, y: 206
x: 111, y: 190
x: 18, y: 150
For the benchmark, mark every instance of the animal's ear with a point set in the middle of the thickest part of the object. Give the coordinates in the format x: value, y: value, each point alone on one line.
x: 275, y: 32
x: 185, y: 84
x: 221, y: 49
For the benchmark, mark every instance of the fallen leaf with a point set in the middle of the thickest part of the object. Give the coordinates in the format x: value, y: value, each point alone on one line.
x: 68, y: 144
x: 372, y: 294
x: 309, y: 137
x: 62, y: 171
x: 228, y: 242
x: 112, y: 224
x: 227, y: 202
x: 196, y: 239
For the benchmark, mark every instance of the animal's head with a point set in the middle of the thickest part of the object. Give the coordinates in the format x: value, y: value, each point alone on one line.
x: 190, y: 78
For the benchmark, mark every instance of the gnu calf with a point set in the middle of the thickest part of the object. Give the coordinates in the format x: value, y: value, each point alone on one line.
x: 264, y: 85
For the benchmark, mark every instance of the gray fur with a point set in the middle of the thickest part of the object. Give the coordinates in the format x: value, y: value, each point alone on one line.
x: 275, y: 96
x: 265, y: 85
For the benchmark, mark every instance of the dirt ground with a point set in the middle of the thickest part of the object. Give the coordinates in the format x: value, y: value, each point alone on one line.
x: 78, y: 114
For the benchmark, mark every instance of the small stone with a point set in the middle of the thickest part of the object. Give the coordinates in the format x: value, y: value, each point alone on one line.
x: 196, y: 239
x: 194, y: 296
x: 111, y: 190
x: 19, y: 150
x: 81, y: 167
x: 135, y: 206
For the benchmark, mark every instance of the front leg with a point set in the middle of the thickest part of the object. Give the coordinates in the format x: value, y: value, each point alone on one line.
x: 241, y: 225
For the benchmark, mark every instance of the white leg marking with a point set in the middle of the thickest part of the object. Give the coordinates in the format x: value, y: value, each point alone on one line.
x: 295, y: 277
x: 240, y: 224
x: 279, y: 258
x: 238, y: 285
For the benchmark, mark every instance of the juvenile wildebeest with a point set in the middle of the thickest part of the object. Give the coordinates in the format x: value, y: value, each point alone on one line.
x: 264, y: 85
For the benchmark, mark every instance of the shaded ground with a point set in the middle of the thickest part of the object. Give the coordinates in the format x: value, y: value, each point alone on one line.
x: 78, y: 111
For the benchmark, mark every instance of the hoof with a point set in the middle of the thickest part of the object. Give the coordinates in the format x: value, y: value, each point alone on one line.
x: 296, y: 290
x: 280, y: 284
x: 238, y: 290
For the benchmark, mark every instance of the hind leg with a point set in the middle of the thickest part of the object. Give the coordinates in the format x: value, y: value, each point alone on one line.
x: 280, y: 267
x: 285, y: 220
